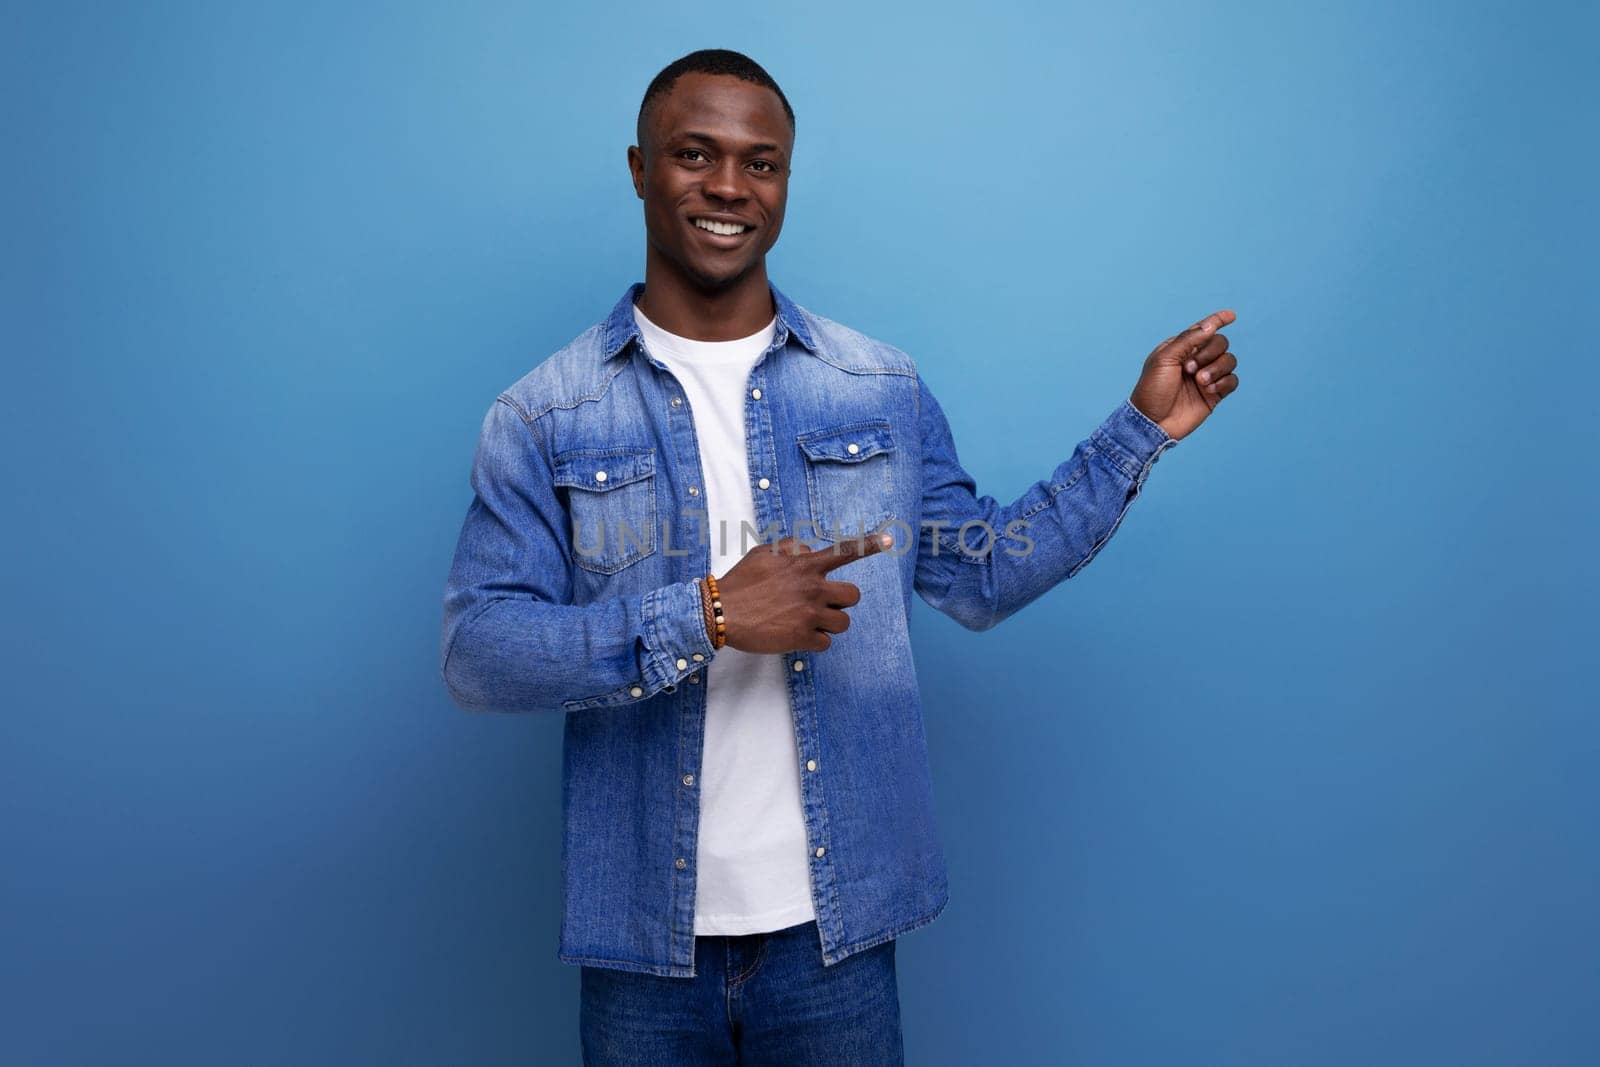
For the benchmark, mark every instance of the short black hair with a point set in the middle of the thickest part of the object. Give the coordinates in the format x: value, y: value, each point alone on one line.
x: 710, y: 61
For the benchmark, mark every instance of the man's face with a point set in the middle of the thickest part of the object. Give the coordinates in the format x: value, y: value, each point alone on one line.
x: 715, y: 151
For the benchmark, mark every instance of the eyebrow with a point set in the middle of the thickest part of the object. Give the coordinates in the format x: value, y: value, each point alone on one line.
x: 761, y: 146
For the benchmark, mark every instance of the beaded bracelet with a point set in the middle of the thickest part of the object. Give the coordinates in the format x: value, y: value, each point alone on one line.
x: 706, y: 618
x: 720, y: 638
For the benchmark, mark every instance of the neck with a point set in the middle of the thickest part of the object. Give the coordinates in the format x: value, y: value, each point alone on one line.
x: 678, y: 306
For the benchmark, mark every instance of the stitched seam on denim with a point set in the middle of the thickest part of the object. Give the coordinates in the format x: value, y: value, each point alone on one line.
x: 565, y: 461
x: 965, y: 555
x: 763, y: 436
x: 1112, y: 452
x: 820, y: 788
x: 956, y: 549
x: 971, y: 559
x: 1120, y: 463
x: 883, y: 348
x: 812, y: 487
x: 761, y: 954
x: 644, y: 547
x: 834, y: 431
x: 814, y: 492
x: 1156, y: 428
x: 679, y: 799
x: 863, y: 370
x: 652, y: 623
x: 511, y: 402
x: 914, y: 924
x: 538, y: 440
x: 1104, y: 446
x: 962, y: 556
x: 1098, y: 545
x: 617, y: 696
x: 650, y: 968
x: 1055, y: 491
x: 808, y: 781
x: 605, y: 387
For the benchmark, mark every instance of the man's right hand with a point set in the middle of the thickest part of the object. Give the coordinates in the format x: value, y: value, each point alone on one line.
x: 778, y: 598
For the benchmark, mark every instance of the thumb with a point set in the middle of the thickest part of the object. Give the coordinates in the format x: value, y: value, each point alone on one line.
x: 1180, y: 346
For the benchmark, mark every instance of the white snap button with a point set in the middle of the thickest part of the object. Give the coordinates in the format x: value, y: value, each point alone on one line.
x: 694, y: 490
x: 763, y: 483
x: 799, y: 664
x: 682, y: 663
x: 811, y: 764
x: 853, y: 449
x: 680, y: 863
x: 636, y: 692
x: 698, y: 658
x: 599, y: 476
x: 677, y: 401
x: 755, y: 394
x: 688, y: 779
x: 820, y: 851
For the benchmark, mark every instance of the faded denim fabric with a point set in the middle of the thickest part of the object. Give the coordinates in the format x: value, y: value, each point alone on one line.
x: 573, y: 590
x: 756, y: 998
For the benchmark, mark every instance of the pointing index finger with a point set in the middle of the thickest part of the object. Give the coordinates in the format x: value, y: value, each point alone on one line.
x: 1215, y: 321
x: 1191, y: 338
x: 853, y: 548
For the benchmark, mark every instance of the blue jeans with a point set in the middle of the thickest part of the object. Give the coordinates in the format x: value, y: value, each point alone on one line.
x: 755, y: 999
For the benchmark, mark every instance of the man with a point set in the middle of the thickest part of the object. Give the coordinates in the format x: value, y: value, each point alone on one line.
x: 749, y: 824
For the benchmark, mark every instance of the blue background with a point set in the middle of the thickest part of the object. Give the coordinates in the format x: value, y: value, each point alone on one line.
x: 1301, y: 770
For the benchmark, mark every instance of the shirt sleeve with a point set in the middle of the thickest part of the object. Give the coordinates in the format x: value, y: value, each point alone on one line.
x: 1009, y: 555
x: 512, y: 638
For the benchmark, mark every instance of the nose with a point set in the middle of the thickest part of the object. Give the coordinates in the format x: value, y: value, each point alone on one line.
x: 726, y: 181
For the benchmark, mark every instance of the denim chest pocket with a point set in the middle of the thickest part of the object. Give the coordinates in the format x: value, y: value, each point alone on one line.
x: 611, y: 494
x: 849, y: 478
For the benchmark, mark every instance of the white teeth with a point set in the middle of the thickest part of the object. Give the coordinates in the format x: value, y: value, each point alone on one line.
x: 727, y: 229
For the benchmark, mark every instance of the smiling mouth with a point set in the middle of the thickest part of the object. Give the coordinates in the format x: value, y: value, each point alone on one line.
x: 721, y: 229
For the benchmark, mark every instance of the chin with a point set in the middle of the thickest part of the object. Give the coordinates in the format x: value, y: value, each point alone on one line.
x: 713, y: 277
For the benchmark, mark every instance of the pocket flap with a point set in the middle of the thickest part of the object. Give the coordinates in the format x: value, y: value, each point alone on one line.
x: 600, y: 469
x: 848, y: 444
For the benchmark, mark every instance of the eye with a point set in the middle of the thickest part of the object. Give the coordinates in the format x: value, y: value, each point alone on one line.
x: 766, y: 165
x: 687, y: 152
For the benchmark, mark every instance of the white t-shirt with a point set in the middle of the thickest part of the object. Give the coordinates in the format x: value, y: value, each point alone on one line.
x: 754, y: 875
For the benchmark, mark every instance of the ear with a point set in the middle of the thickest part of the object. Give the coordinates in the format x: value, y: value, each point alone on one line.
x: 636, y: 168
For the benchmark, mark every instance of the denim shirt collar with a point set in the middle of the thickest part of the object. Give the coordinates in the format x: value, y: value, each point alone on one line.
x: 621, y: 326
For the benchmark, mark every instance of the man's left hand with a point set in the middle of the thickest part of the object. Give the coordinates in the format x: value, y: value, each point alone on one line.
x: 1187, y: 376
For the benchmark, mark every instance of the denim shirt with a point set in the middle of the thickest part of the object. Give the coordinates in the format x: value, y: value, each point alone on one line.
x: 573, y: 590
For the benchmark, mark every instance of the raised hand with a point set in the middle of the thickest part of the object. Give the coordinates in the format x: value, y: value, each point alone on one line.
x: 778, y: 597
x: 1187, y: 376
